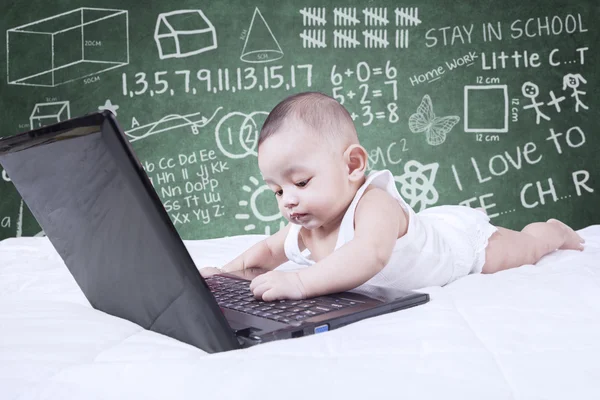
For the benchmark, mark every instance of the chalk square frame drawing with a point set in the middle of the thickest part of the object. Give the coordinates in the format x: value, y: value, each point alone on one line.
x: 58, y: 63
x: 468, y: 88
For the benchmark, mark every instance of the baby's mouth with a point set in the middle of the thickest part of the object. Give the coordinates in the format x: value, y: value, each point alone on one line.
x: 297, y: 216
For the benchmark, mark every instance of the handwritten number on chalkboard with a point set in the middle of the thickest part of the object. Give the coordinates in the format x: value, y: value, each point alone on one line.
x: 367, y: 72
x: 141, y: 81
x: 158, y: 81
x: 390, y: 72
x: 250, y: 75
x: 339, y: 97
x: 336, y: 77
x: 308, y: 68
x: 367, y: 113
x: 394, y: 84
x: 365, y: 88
x: 187, y: 79
x: 276, y: 76
x: 393, y: 117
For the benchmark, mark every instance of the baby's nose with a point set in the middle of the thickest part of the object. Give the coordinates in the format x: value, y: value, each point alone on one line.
x: 289, y: 200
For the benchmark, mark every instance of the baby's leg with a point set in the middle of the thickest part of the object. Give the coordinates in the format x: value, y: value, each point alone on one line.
x: 509, y: 249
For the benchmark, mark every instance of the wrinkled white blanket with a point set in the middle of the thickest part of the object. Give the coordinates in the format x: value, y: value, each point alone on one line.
x: 527, y: 333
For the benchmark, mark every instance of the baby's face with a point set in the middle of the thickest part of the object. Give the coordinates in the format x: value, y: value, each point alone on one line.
x: 307, y: 177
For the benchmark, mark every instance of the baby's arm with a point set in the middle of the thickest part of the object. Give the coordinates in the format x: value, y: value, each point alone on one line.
x: 267, y: 254
x: 379, y: 220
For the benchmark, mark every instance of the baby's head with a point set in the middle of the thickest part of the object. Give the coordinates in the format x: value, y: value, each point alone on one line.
x: 310, y: 156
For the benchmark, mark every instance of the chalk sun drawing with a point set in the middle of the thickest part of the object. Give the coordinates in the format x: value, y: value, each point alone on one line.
x: 254, y: 192
x: 435, y: 128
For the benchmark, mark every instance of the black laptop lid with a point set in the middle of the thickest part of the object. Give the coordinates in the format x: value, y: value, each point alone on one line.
x: 95, y: 203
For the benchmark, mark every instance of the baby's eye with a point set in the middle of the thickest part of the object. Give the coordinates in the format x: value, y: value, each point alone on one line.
x: 302, y: 183
x: 279, y: 193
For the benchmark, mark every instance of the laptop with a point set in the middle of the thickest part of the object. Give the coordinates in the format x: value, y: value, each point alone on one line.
x: 88, y: 191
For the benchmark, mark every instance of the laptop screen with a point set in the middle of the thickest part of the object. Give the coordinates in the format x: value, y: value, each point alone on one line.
x: 95, y: 204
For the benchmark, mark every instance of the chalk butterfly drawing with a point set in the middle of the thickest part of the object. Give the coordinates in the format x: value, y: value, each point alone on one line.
x: 435, y: 128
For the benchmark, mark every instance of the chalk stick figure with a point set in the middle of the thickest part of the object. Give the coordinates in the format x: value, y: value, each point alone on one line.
x: 572, y: 81
x: 531, y: 91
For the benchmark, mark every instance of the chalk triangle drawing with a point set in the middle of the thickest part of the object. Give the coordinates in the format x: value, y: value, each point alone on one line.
x: 260, y: 45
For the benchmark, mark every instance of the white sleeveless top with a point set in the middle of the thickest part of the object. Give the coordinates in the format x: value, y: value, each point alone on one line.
x: 441, y: 243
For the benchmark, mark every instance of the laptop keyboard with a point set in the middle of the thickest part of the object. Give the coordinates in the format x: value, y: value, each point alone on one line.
x: 235, y: 294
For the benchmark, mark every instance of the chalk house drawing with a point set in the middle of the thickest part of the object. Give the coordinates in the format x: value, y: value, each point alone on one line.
x: 49, y: 113
x: 184, y: 33
x: 101, y: 34
x: 260, y: 45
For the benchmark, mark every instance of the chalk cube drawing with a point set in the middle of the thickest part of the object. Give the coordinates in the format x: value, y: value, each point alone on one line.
x: 68, y: 46
x: 49, y: 113
x: 486, y: 108
x: 183, y: 33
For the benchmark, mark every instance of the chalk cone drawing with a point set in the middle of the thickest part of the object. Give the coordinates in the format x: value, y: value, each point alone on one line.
x: 260, y: 46
x: 184, y: 33
x: 255, y: 192
x: 435, y: 128
x: 101, y: 36
x: 49, y: 113
x: 170, y: 122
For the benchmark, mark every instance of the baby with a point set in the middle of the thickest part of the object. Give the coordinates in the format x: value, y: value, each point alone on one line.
x: 355, y: 231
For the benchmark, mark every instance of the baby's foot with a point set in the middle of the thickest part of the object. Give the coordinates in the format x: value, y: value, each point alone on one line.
x: 572, y: 240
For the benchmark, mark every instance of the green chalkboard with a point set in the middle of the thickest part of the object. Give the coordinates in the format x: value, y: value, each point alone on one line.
x: 483, y: 103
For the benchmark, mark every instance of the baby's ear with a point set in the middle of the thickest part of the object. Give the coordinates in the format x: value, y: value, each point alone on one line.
x: 356, y: 159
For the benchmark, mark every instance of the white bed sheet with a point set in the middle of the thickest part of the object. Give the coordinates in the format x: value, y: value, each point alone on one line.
x: 527, y: 333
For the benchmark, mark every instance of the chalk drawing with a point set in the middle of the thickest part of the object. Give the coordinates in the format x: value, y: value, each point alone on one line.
x: 435, y: 128
x: 184, y: 33
x: 260, y: 46
x: 104, y: 38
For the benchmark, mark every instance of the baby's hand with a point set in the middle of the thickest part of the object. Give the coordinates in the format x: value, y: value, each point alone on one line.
x: 278, y: 285
x: 208, y: 271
